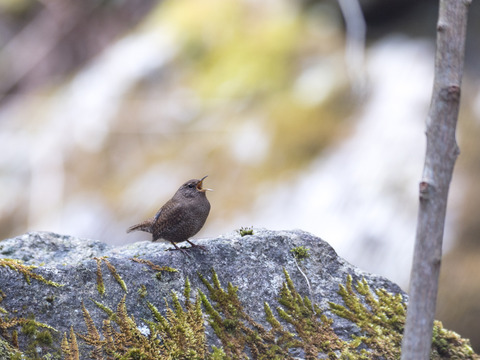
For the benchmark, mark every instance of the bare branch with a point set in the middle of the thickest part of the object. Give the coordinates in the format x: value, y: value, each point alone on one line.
x: 356, y: 29
x: 441, y: 154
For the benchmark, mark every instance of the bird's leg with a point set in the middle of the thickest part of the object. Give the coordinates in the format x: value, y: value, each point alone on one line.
x: 199, y: 246
x: 182, y: 249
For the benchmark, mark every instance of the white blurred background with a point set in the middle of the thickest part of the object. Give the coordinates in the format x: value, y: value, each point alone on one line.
x: 107, y: 107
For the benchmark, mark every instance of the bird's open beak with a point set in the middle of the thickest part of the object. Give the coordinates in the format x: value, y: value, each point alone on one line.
x: 200, y: 184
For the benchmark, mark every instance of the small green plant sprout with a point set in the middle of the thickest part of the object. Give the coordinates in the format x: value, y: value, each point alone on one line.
x: 243, y: 231
x: 300, y: 252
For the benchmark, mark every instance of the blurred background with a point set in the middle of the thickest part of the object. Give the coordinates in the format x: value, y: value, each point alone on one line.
x: 304, y: 114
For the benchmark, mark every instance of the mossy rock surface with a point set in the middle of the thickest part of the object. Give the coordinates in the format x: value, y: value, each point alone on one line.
x: 100, y: 277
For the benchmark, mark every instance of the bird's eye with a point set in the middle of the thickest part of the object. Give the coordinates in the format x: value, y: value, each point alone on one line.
x: 191, y: 186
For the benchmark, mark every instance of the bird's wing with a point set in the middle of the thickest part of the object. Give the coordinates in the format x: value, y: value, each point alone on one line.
x: 157, y: 215
x: 170, y: 213
x: 172, y: 209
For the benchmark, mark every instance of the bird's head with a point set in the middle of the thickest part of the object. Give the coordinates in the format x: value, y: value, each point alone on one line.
x: 193, y: 187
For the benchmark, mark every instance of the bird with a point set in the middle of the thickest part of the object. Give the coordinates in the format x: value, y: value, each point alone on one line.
x: 181, y: 217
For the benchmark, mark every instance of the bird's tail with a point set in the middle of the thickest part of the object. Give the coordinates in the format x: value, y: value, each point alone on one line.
x: 144, y: 226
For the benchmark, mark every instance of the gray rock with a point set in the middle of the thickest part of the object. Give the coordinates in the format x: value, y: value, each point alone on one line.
x: 44, y: 247
x: 253, y: 263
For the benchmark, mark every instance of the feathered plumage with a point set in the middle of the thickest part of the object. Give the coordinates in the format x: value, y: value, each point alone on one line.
x: 181, y: 217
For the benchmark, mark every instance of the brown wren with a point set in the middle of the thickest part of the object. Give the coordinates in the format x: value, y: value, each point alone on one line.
x: 181, y: 217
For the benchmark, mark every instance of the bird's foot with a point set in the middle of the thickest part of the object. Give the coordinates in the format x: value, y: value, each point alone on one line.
x: 201, y: 247
x: 184, y: 250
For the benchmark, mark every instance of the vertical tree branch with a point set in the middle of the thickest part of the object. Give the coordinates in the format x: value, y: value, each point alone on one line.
x: 441, y: 154
x: 356, y: 30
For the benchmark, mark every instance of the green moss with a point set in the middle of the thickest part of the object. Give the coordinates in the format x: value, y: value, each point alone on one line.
x: 41, y: 344
x: 245, y: 231
x: 45, y: 338
x: 234, y: 327
x: 26, y: 271
x: 296, y: 324
x: 70, y: 346
x: 8, y: 352
x: 29, y: 328
x: 447, y: 344
x: 113, y: 271
x: 151, y: 265
x: 187, y: 289
x: 105, y: 309
x: 116, y: 275
x: 100, y: 284
x: 178, y: 335
x: 299, y: 324
x: 142, y: 291
x: 379, y: 315
x: 300, y: 253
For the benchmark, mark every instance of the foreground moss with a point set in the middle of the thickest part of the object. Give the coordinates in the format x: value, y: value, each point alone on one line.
x: 40, y: 339
x: 299, y: 325
x: 177, y: 331
x: 178, y: 335
x: 8, y: 352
